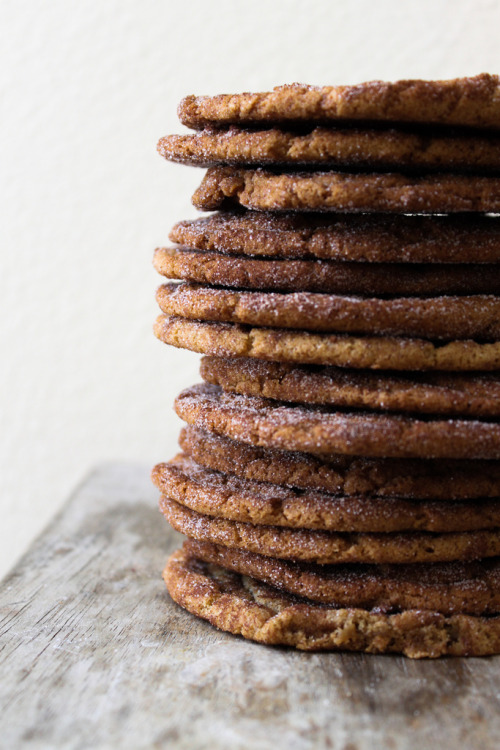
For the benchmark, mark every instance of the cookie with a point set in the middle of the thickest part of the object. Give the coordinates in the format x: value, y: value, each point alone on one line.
x: 302, y: 347
x: 461, y: 101
x: 322, y: 431
x: 227, y: 496
x: 471, y: 588
x: 243, y: 606
x: 326, y: 276
x: 370, y: 149
x: 262, y: 190
x: 476, y: 316
x: 349, y: 475
x: 476, y: 395
x: 349, y: 237
x: 332, y: 548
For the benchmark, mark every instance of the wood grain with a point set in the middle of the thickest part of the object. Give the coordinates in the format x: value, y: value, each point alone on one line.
x: 94, y: 654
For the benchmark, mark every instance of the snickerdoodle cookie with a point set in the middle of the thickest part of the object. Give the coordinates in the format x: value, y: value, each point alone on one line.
x: 323, y: 430
x: 246, y: 607
x: 344, y: 475
x: 391, y: 192
x: 473, y: 101
x: 471, y: 395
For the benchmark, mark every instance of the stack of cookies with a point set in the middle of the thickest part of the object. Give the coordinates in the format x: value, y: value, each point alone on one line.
x: 339, y: 480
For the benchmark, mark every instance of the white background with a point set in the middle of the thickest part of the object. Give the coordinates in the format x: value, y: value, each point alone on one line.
x: 87, y: 89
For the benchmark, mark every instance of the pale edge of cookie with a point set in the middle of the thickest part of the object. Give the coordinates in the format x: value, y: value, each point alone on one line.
x: 302, y: 347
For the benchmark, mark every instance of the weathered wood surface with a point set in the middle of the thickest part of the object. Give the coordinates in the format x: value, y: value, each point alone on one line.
x: 93, y: 654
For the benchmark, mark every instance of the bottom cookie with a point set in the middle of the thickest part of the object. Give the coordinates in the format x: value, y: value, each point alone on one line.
x: 258, y: 612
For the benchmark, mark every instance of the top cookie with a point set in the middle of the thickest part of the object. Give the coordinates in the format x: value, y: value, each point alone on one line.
x: 471, y: 102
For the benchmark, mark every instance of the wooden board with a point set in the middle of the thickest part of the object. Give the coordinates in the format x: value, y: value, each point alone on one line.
x: 93, y: 654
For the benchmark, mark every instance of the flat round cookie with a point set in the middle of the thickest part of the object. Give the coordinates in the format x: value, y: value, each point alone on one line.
x: 476, y: 316
x: 228, y: 496
x: 303, y: 347
x: 370, y: 149
x: 258, y: 612
x: 369, y: 238
x: 471, y: 101
x: 262, y: 190
x: 350, y: 475
x: 476, y: 395
x: 322, y: 431
x: 471, y: 588
x: 286, y: 275
x: 331, y: 548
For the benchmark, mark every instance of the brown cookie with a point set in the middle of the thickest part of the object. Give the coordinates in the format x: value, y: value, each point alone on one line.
x: 228, y: 496
x: 476, y: 316
x: 326, y: 276
x: 419, y: 479
x: 476, y: 395
x: 346, y: 192
x: 461, y: 101
x: 350, y: 237
x: 243, y: 606
x: 370, y: 149
x: 332, y: 548
x: 323, y: 431
x: 471, y: 588
x: 303, y: 347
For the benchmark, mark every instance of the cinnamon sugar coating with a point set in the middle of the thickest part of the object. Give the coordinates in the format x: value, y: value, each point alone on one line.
x: 340, y: 350
x: 355, y: 148
x: 391, y: 192
x: 472, y: 395
x: 476, y: 316
x: 286, y: 275
x: 323, y: 431
x: 243, y: 606
x: 473, y: 101
x: 352, y: 237
x: 344, y: 475
x: 332, y: 548
x: 228, y: 496
x: 471, y: 588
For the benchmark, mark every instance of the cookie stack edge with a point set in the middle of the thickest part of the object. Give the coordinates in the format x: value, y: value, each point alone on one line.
x: 339, y: 481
